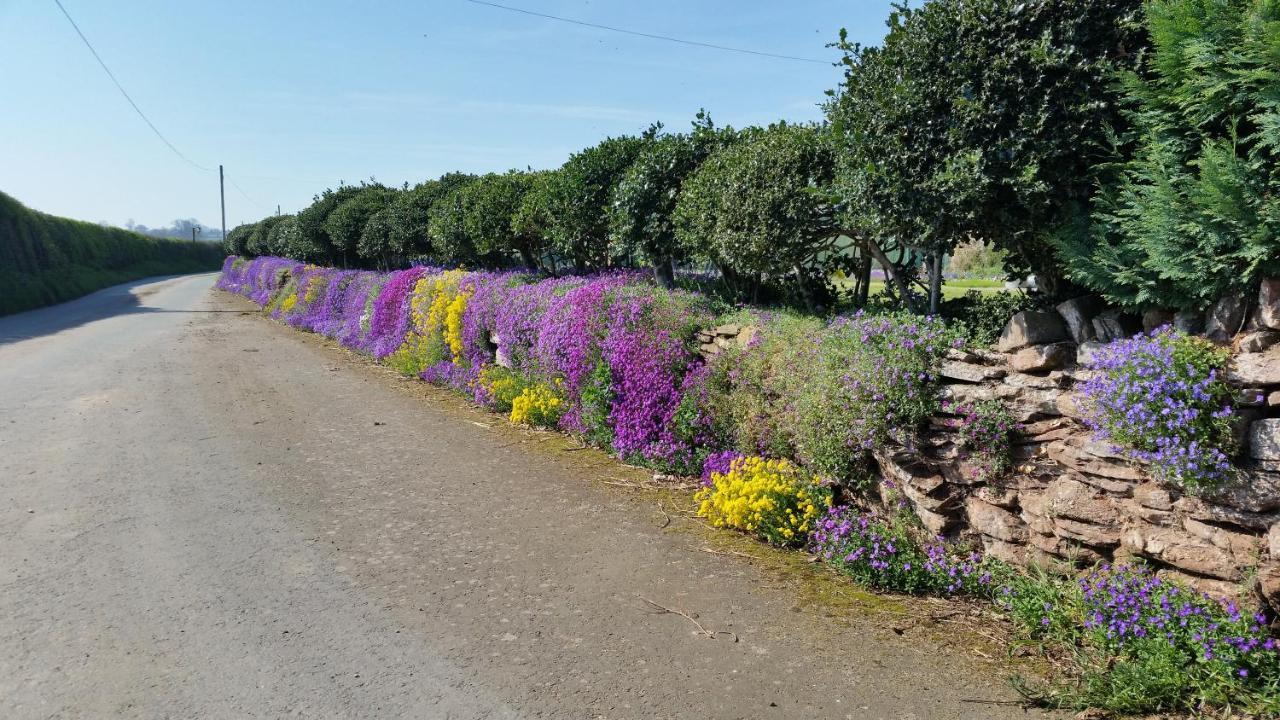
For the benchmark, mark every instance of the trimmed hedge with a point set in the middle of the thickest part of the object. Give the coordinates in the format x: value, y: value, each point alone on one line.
x: 46, y: 259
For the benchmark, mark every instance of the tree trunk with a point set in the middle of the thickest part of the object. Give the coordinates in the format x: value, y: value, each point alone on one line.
x: 935, y: 283
x: 526, y: 257
x: 862, y: 287
x: 890, y: 270
x: 664, y: 272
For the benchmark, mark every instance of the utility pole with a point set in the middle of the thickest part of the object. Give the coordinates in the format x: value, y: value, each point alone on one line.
x: 277, y: 210
x: 222, y: 195
x: 194, y: 229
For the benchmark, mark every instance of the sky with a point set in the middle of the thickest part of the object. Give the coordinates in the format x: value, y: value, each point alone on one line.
x: 296, y: 97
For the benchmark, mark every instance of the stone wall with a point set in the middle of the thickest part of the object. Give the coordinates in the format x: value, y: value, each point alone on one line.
x: 1070, y: 500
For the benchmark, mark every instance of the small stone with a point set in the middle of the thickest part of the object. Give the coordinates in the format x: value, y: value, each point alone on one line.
x: 1156, y: 317
x: 1078, y: 314
x: 1032, y: 327
x: 1273, y: 541
x: 1259, y: 340
x: 995, y: 522
x: 1258, y: 369
x: 1186, y: 321
x: 730, y: 330
x: 1115, y: 325
x: 1086, y: 351
x: 1273, y: 399
x: 968, y: 372
x: 1264, y: 439
x: 1269, y: 583
x: 1153, y: 496
x: 1225, y: 317
x: 1268, y: 313
x: 1039, y: 358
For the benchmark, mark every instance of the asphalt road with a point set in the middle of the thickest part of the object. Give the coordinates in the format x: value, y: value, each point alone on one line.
x: 205, y: 514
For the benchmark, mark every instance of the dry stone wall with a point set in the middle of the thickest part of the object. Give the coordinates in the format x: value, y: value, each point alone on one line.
x: 1072, y: 500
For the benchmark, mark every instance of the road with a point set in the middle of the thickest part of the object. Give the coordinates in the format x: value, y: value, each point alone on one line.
x: 205, y: 514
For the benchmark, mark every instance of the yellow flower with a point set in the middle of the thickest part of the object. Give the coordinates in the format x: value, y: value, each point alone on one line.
x: 772, y: 498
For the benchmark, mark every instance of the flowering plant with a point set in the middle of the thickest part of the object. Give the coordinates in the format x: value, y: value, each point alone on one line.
x: 868, y: 380
x: 985, y: 431
x: 891, y: 554
x: 1147, y: 644
x: 1162, y: 399
x: 539, y: 405
x: 773, y: 499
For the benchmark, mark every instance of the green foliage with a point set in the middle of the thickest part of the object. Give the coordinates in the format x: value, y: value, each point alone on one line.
x: 985, y: 431
x: 1192, y: 209
x: 46, y: 259
x: 447, y: 227
x: 345, y: 225
x: 283, y: 234
x: 490, y: 205
x: 1133, y: 643
x: 980, y: 118
x: 312, y: 242
x: 259, y: 241
x: 978, y: 259
x: 376, y: 245
x: 756, y: 209
x: 411, y: 212
x: 576, y: 199
x: 641, y: 218
x: 980, y: 317
x: 237, y: 242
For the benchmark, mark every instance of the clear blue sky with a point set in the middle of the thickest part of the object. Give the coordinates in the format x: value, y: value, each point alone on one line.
x: 293, y: 97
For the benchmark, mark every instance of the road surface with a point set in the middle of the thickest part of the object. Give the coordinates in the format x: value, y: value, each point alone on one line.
x: 206, y: 514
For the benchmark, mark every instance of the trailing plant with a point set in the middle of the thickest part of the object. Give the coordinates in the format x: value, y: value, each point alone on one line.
x: 985, y: 430
x: 1137, y: 643
x: 891, y: 553
x: 1163, y: 399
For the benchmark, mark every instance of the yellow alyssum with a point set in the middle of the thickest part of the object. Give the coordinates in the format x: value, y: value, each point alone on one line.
x: 773, y: 499
x: 288, y: 303
x: 453, y: 325
x: 537, y: 405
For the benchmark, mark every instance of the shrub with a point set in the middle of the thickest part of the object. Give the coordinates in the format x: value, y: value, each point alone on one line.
x: 1141, y: 644
x: 490, y: 206
x: 754, y: 208
x: 577, y: 199
x: 980, y: 317
x: 867, y: 381
x: 410, y: 215
x: 772, y: 499
x: 1162, y: 399
x: 891, y: 554
x: 1190, y: 209
x: 345, y: 225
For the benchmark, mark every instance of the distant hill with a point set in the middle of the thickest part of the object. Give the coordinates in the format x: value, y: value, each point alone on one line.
x: 46, y: 259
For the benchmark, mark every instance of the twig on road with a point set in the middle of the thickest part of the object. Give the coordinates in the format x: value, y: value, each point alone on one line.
x: 702, y: 630
x: 733, y: 553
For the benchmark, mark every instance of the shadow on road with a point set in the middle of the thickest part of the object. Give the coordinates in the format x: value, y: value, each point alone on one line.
x: 126, y: 299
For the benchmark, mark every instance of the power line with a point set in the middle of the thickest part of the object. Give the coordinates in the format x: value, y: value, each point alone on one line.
x: 125, y: 93
x: 651, y: 36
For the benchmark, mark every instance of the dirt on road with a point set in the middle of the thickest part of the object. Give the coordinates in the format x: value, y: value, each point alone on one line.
x: 207, y: 514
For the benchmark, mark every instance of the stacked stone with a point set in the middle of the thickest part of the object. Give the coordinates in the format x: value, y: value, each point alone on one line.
x: 711, y: 342
x: 1071, y: 500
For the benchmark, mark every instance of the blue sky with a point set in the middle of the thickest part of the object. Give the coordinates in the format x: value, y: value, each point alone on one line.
x: 294, y: 97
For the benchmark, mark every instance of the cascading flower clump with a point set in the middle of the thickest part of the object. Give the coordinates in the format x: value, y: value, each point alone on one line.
x: 894, y: 555
x: 1162, y: 399
x: 773, y: 499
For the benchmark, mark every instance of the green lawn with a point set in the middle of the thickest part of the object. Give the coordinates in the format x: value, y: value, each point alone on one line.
x: 954, y: 288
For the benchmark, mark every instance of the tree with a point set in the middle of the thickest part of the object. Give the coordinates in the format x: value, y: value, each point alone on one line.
x: 259, y: 240
x: 376, y: 245
x: 759, y: 210
x: 532, y: 218
x: 981, y: 119
x: 345, y: 225
x: 238, y: 240
x: 410, y: 214
x: 578, y: 198
x: 490, y: 205
x: 644, y: 201
x: 312, y: 243
x: 283, y: 235
x: 447, y: 228
x: 1192, y: 210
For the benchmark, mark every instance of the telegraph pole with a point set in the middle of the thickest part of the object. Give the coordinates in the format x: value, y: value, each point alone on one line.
x: 222, y: 196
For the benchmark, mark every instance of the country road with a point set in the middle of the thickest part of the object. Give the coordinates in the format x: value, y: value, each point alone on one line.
x: 206, y: 514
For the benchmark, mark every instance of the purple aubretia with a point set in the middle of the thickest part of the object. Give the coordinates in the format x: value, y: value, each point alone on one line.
x: 1161, y: 399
